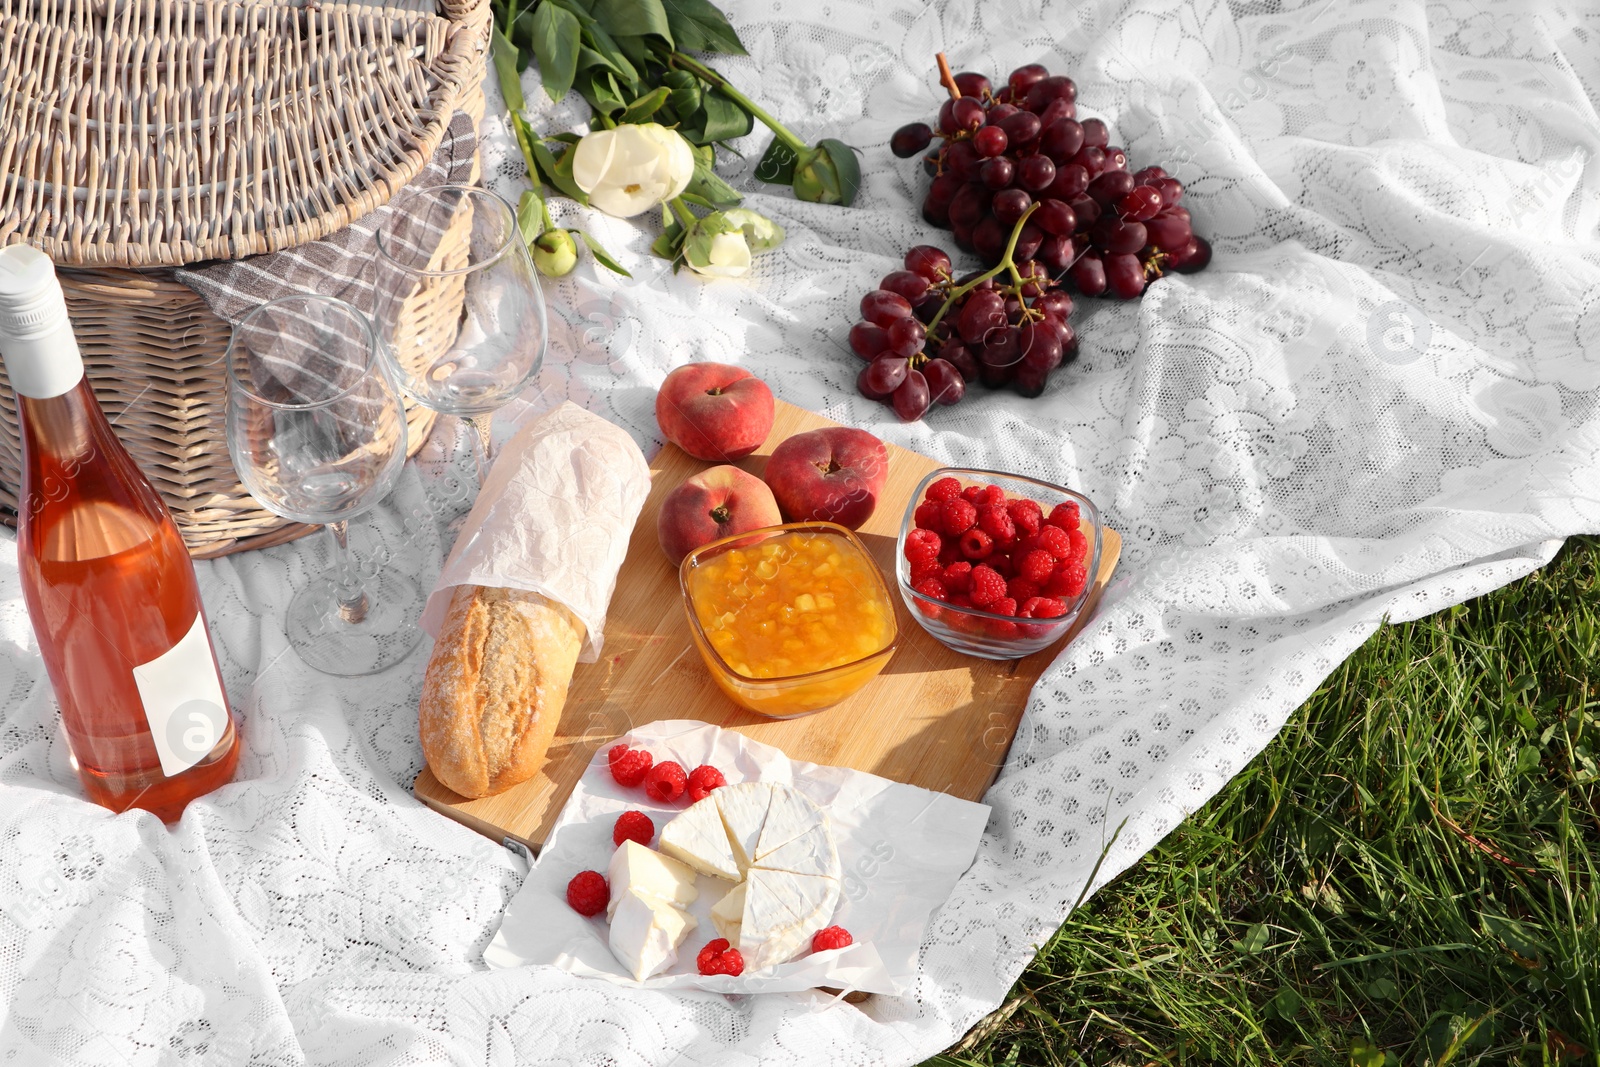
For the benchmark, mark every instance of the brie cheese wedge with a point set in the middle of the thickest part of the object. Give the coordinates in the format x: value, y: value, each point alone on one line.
x: 744, y: 813
x: 727, y: 915
x: 646, y: 932
x: 789, y: 814
x: 635, y: 867
x: 699, y: 838
x: 813, y: 852
x: 781, y: 912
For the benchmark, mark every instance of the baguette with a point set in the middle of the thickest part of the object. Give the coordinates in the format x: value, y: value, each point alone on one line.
x: 495, y: 685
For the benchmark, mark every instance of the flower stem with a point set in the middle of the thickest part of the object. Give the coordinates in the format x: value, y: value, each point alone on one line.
x: 1006, y: 263
x: 685, y: 216
x: 700, y: 70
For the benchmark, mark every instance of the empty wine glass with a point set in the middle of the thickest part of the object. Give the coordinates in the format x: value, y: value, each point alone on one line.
x: 463, y: 318
x: 318, y: 435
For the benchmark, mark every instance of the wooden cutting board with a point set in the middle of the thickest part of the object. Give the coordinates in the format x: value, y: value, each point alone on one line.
x: 933, y: 717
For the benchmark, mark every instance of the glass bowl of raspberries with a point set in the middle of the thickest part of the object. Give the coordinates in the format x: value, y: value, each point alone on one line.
x: 996, y: 565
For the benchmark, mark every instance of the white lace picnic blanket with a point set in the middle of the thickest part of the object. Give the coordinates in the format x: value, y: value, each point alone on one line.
x: 1380, y: 400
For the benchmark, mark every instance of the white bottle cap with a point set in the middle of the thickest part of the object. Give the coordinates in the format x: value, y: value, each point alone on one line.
x: 36, y: 342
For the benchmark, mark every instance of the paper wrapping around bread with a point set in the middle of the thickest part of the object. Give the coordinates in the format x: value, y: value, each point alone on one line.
x: 553, y: 517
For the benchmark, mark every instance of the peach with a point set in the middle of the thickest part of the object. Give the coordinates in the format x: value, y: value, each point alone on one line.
x: 714, y: 411
x: 717, y: 502
x: 834, y: 474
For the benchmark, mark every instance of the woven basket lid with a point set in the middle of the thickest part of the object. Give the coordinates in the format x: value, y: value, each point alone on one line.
x: 158, y: 132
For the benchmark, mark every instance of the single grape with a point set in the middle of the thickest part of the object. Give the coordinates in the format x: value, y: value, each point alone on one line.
x: 1057, y: 302
x: 1065, y: 88
x: 1009, y: 204
x: 1168, y: 232
x: 962, y: 235
x: 945, y: 383
x: 926, y: 308
x: 1028, y: 242
x: 1171, y: 190
x: 1141, y: 204
x: 1148, y: 175
x: 1029, y: 381
x: 1116, y: 158
x: 1055, y: 87
x: 1071, y: 182
x: 1024, y: 78
x: 1040, y: 345
x: 1091, y: 159
x: 1061, y: 140
x: 968, y: 114
x: 996, y: 173
x: 1036, y: 173
x: 947, y: 118
x: 930, y: 261
x: 1055, y: 217
x: 911, y: 398
x: 1019, y: 128
x: 944, y: 188
x: 868, y: 340
x: 866, y: 390
x: 990, y: 141
x: 910, y: 139
x: 961, y: 358
x: 1111, y: 186
x: 1001, y: 348
x: 1124, y: 275
x: 1195, y: 256
x: 1001, y: 111
x: 1089, y: 274
x: 906, y: 337
x: 935, y: 213
x: 1069, y: 340
x: 989, y: 239
x: 985, y: 310
x: 885, y: 374
x: 907, y: 283
x: 882, y: 308
x: 1085, y: 208
x: 1056, y: 253
x: 1058, y: 109
x: 1118, y: 236
x: 1096, y: 133
x: 995, y: 375
x: 973, y: 84
x: 961, y: 160
x: 930, y: 164
x: 970, y: 205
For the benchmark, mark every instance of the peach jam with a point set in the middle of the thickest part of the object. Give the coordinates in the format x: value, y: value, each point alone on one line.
x: 798, y: 618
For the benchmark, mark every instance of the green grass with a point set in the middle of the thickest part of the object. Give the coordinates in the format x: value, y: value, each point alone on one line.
x: 1407, y: 875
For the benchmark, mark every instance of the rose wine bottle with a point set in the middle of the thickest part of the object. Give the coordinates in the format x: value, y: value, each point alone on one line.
x: 109, y: 586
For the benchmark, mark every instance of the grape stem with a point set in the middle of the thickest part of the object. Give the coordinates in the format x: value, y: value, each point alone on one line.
x: 700, y: 70
x: 947, y: 79
x: 1006, y: 263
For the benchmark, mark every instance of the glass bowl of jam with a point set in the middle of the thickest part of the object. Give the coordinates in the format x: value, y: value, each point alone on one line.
x: 789, y: 619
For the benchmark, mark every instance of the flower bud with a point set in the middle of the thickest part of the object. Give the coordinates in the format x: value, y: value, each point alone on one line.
x: 555, y: 253
x: 827, y: 174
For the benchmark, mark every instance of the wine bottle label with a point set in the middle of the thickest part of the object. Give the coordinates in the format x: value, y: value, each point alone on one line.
x: 183, y: 700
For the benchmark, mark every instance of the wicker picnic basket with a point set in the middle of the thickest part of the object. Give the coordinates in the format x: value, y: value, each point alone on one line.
x: 140, y: 135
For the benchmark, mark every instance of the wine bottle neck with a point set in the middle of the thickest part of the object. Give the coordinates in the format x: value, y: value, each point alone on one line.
x: 60, y: 426
x: 41, y: 355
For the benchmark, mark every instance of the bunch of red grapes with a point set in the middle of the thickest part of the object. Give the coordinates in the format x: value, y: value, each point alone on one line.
x: 925, y: 334
x: 1107, y: 229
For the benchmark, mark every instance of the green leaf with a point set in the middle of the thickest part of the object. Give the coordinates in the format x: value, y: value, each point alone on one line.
x: 1287, y: 1003
x: 601, y: 256
x: 698, y: 201
x: 707, y: 185
x: 610, y: 52
x: 848, y: 166
x: 644, y: 107
x: 599, y: 88
x: 1523, y: 682
x: 530, y: 216
x: 1364, y: 1053
x: 699, y: 27
x: 1254, y: 940
x: 1528, y: 757
x: 685, y: 89
x: 724, y: 120
x: 634, y: 18
x: 555, y: 43
x: 564, y: 138
x: 1382, y: 989
x: 777, y: 164
x: 636, y: 48
x: 558, y: 172
x: 504, y: 54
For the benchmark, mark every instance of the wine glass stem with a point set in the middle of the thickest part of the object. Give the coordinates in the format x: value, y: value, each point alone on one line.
x: 347, y: 584
x: 480, y: 427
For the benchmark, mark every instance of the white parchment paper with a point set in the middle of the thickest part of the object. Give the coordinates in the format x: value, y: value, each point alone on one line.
x: 553, y: 517
x: 901, y: 850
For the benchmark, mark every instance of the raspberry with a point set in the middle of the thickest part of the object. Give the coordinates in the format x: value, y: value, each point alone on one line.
x: 1021, y: 589
x: 665, y: 782
x: 960, y: 600
x: 1064, y: 516
x: 1004, y: 606
x: 923, y: 569
x: 1047, y: 607
x: 942, y: 490
x: 926, y: 517
x: 956, y: 517
x: 719, y: 958
x: 975, y: 544
x: 970, y: 493
x: 992, y: 496
x: 1004, y: 629
x: 1000, y: 563
x: 922, y: 544
x: 994, y: 521
x: 831, y: 938
x: 1056, y: 541
x: 633, y: 826
x: 987, y: 586
x: 957, y: 576
x: 1080, y: 546
x: 932, y: 588
x: 1037, y: 566
x: 950, y: 553
x: 1068, y: 581
x: 1027, y: 514
x: 702, y: 780
x: 588, y: 893
x: 628, y: 765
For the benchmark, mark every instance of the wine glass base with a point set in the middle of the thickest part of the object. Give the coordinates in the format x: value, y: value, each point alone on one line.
x: 383, y: 637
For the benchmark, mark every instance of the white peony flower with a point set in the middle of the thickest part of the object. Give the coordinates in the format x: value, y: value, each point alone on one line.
x: 725, y: 255
x: 632, y: 168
